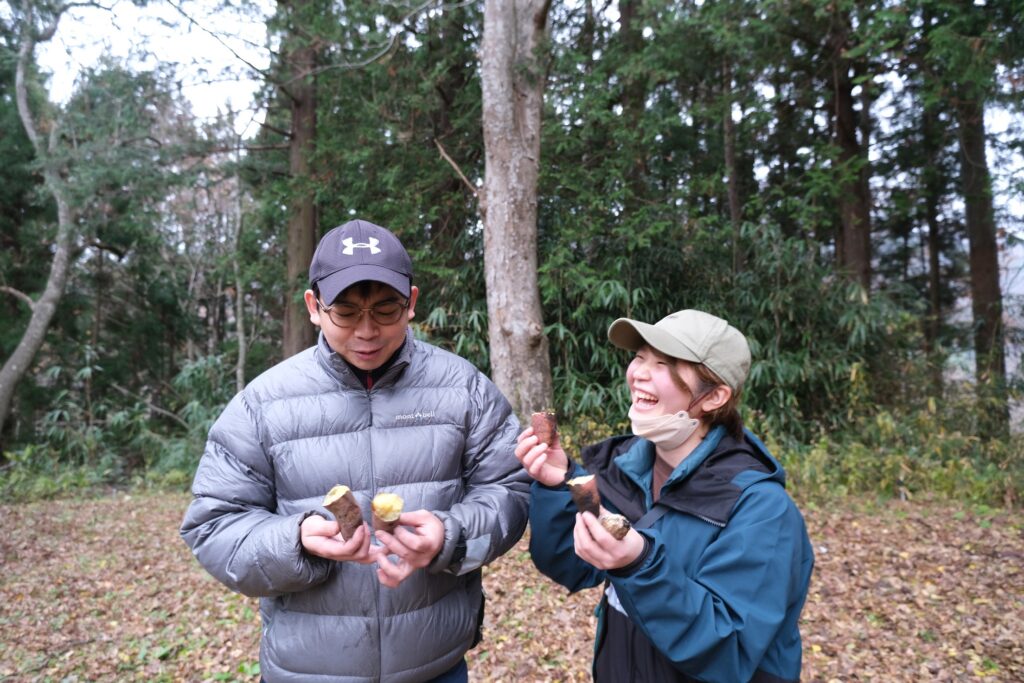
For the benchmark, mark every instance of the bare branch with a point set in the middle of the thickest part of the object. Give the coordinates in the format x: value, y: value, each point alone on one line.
x: 103, y: 246
x: 50, y: 29
x: 26, y: 54
x: 247, y: 148
x: 444, y: 155
x: 279, y: 131
x: 73, y: 5
x: 217, y: 37
x: 20, y: 295
x: 149, y: 404
x: 379, y: 54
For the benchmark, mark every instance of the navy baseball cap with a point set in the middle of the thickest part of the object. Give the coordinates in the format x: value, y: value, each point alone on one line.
x: 358, y: 251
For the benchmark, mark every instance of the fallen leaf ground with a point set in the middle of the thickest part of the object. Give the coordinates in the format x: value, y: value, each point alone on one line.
x: 103, y: 590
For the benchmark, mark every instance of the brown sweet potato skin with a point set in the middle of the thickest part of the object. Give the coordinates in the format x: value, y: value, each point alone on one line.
x: 615, y: 524
x: 585, y: 495
x: 340, y: 502
x: 545, y: 426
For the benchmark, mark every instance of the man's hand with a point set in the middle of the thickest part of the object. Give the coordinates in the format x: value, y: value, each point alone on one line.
x: 415, y: 542
x: 598, y: 547
x: 545, y: 462
x: 322, y: 538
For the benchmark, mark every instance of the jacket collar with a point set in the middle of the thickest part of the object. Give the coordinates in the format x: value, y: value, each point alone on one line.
x: 706, y: 484
x: 639, y: 460
x: 335, y: 365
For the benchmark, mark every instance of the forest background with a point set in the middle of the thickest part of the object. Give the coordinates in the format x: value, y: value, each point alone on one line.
x: 820, y: 173
x: 841, y: 179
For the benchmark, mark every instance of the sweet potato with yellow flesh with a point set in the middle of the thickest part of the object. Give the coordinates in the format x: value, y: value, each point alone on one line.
x: 616, y: 525
x: 386, y: 509
x: 584, y: 494
x: 340, y: 502
x: 545, y: 426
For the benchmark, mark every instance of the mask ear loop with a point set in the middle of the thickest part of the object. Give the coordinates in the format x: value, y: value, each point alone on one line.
x: 699, y: 398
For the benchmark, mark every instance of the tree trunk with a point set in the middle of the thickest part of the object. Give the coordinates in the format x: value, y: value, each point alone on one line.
x: 731, y: 167
x: 853, y: 245
x: 236, y: 271
x: 986, y: 298
x: 15, y: 367
x: 301, y: 58
x: 513, y: 90
x: 634, y: 95
x: 933, y: 184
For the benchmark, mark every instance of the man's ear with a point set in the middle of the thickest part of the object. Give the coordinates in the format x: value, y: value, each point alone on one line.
x: 717, y: 398
x: 414, y: 294
x: 312, y: 307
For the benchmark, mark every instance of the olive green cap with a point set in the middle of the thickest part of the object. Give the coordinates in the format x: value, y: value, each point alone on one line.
x: 690, y: 335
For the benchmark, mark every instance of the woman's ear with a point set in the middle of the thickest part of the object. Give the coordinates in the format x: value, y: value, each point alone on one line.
x: 715, y: 399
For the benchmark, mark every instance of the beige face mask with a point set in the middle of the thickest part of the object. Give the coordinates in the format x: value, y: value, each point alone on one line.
x: 666, y: 431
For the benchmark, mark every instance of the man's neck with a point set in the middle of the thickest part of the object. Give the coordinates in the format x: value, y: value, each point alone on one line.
x: 370, y: 377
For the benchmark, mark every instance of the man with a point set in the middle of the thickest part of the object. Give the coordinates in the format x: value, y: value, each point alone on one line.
x: 372, y: 408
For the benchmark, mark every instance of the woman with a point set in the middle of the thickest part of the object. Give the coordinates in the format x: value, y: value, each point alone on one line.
x: 709, y: 582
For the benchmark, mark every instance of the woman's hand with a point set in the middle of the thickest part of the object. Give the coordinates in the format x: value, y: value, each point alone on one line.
x: 547, y: 463
x: 598, y: 547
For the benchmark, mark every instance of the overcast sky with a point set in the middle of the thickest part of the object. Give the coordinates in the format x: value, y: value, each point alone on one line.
x: 210, y: 52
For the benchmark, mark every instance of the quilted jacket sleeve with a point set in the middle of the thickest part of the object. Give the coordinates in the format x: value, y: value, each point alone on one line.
x: 232, y: 526
x: 492, y: 515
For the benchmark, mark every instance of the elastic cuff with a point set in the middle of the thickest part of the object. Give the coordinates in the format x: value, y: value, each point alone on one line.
x: 637, y: 561
x: 570, y: 473
x: 302, y: 548
x: 444, y: 557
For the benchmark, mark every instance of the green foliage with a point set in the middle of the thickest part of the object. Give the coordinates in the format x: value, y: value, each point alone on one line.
x: 35, y: 472
x: 909, y: 453
x: 79, y: 450
x: 104, y: 443
x: 202, y: 389
x: 810, y: 333
x: 635, y: 219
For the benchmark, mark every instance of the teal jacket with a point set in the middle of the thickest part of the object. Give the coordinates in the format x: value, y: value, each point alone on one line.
x: 716, y: 595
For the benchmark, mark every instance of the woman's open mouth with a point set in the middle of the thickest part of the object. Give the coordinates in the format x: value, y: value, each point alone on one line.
x: 644, y: 401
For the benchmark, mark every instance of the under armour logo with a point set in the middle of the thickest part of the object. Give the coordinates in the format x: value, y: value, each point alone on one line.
x: 351, y: 246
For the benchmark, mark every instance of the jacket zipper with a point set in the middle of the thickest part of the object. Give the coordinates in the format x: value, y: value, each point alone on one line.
x: 376, y: 594
x: 712, y: 522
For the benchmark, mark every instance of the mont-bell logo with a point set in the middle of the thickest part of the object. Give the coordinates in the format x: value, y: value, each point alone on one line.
x: 415, y: 417
x: 351, y: 246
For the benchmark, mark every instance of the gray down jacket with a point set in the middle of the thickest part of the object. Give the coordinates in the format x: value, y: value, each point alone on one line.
x: 434, y: 430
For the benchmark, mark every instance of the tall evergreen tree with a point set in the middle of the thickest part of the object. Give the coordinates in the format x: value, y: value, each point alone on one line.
x: 965, y: 48
x: 300, y: 54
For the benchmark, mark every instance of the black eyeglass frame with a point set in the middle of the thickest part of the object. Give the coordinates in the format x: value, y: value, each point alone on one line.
x: 391, y: 319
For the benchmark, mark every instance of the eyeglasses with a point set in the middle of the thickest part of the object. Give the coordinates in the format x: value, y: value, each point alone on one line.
x: 349, y: 315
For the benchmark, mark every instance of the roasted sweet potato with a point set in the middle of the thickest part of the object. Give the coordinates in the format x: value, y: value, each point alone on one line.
x: 584, y: 494
x: 340, y: 502
x: 545, y: 426
x: 386, y: 509
x: 615, y: 524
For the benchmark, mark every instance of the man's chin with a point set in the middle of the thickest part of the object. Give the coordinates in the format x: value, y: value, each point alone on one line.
x: 364, y: 361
